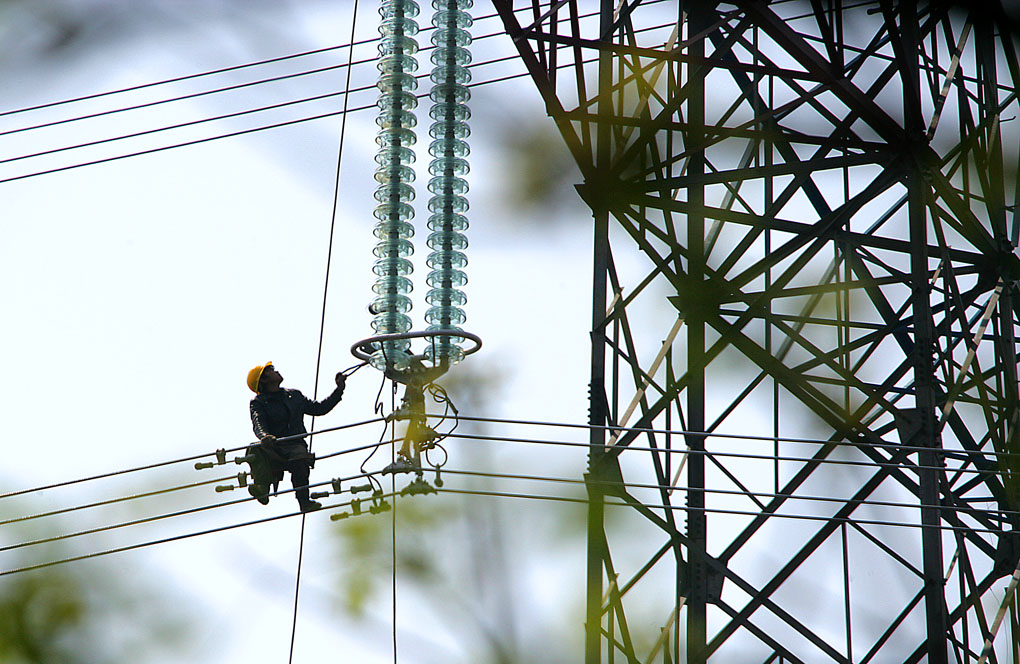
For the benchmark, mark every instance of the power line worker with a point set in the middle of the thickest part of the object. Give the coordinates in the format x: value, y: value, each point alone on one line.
x: 278, y: 412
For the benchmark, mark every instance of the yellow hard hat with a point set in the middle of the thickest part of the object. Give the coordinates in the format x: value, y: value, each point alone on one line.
x: 255, y: 375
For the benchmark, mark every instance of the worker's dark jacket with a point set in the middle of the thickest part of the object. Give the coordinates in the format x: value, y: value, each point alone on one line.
x: 281, y: 414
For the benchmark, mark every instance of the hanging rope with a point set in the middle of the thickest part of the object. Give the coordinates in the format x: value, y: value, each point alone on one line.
x: 393, y: 527
x: 322, y: 318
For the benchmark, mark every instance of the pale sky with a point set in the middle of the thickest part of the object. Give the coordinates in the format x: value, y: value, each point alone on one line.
x: 139, y: 292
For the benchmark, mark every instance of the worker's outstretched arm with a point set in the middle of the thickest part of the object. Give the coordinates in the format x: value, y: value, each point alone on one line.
x: 317, y: 408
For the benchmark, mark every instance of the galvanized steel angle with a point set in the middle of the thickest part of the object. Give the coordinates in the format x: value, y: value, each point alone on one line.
x: 663, y: 118
x: 810, y: 547
x: 966, y: 223
x: 760, y: 598
x: 583, y: 156
x: 627, y: 646
x: 893, y: 626
x: 764, y: 636
x: 818, y: 234
x: 785, y: 36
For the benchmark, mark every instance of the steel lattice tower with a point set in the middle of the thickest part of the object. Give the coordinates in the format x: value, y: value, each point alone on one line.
x: 805, y: 298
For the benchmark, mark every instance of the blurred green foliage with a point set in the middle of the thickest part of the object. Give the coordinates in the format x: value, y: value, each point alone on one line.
x: 540, y: 173
x: 87, y: 611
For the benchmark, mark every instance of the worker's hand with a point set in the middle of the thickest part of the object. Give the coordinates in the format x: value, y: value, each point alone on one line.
x: 341, y: 379
x: 268, y: 440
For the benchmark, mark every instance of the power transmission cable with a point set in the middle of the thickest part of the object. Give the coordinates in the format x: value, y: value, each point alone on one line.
x: 227, y: 478
x: 165, y: 540
x: 169, y: 515
x: 374, y: 446
x: 233, y: 115
x: 160, y: 464
x: 628, y: 485
x: 215, y: 118
x: 258, y: 63
x: 738, y: 455
x: 229, y: 88
x: 724, y: 492
x: 504, y: 494
x: 717, y: 510
x: 711, y: 434
x: 193, y: 95
x: 503, y: 439
x: 179, y: 79
x: 322, y: 317
x: 483, y: 474
x: 334, y: 483
x: 115, y: 473
x: 112, y: 501
x: 276, y: 125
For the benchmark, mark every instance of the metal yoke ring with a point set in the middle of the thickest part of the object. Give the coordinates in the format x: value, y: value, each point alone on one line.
x: 360, y: 351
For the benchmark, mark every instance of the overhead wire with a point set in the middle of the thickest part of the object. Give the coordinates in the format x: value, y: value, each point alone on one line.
x: 322, y: 318
x: 232, y: 134
x: 716, y: 510
x: 113, y: 501
x: 468, y: 473
x: 192, y: 123
x: 257, y: 63
x: 210, y: 72
x: 495, y: 438
x: 375, y: 445
x: 501, y: 494
x: 101, y: 476
x: 160, y: 464
x: 164, y: 540
x: 750, y: 494
x: 204, y: 93
x: 178, y: 79
x: 186, y: 97
x: 738, y: 455
x: 234, y: 115
x: 608, y: 484
x: 726, y: 436
x: 170, y: 515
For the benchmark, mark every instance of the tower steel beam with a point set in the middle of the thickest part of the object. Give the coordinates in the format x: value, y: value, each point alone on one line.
x: 816, y: 206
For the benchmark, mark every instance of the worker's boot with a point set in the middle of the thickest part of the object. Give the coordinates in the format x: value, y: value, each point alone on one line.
x: 310, y: 505
x: 260, y: 492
